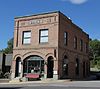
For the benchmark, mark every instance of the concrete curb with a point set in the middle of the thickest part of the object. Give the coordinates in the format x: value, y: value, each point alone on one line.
x: 39, y: 82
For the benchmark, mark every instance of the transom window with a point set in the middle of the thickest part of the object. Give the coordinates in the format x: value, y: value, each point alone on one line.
x: 43, y: 36
x: 26, y: 37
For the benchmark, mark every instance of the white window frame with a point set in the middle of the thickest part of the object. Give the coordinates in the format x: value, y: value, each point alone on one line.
x: 43, y: 37
x: 26, y: 37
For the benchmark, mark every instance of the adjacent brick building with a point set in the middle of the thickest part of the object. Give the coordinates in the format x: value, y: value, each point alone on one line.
x: 49, y: 44
x: 5, y: 63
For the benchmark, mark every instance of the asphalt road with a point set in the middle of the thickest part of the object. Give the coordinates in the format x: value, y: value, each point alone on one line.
x: 61, y: 85
x: 48, y: 87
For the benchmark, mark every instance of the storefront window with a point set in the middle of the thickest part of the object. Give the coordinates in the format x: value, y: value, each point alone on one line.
x: 34, y: 64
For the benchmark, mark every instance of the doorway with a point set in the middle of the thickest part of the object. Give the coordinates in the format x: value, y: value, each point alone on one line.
x: 50, y: 66
x: 33, y: 65
x: 83, y: 69
x: 65, y: 67
x: 18, y: 67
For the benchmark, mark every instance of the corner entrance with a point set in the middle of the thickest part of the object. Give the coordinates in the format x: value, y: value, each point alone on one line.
x: 33, y: 65
x: 50, y: 66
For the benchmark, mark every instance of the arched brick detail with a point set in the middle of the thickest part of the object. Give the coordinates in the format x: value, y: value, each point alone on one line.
x: 33, y: 53
x: 80, y: 58
x: 16, y: 56
x: 65, y: 53
x: 76, y: 57
x: 50, y: 54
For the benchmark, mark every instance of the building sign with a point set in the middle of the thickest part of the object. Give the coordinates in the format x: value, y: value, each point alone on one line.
x: 38, y: 21
x: 54, y: 72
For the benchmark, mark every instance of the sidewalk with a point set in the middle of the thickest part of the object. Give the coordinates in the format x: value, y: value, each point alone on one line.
x: 38, y: 82
x: 4, y: 80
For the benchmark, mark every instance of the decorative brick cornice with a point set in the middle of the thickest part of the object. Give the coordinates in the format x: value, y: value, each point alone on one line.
x: 35, y: 48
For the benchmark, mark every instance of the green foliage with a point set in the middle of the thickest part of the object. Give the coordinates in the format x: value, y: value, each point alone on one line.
x: 9, y: 48
x: 94, y: 53
x: 95, y: 45
x: 98, y: 64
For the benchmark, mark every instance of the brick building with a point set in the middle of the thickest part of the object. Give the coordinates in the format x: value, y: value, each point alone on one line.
x: 51, y: 45
x: 5, y: 64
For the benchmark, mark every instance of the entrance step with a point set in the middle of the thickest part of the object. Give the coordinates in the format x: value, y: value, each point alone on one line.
x: 48, y: 79
x: 4, y: 80
x: 52, y: 80
x: 15, y: 80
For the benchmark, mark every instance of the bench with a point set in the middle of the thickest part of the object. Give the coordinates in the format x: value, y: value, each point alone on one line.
x: 35, y: 76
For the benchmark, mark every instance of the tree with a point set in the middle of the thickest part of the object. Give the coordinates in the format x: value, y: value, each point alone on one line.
x: 94, y: 52
x: 9, y: 48
x: 95, y: 48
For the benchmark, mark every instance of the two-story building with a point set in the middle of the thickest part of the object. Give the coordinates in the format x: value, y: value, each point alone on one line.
x: 49, y: 44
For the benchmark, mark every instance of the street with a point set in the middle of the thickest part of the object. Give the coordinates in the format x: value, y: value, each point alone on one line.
x: 61, y: 85
x: 47, y: 87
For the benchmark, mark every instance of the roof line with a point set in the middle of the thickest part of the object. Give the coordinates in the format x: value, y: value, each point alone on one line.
x: 37, y: 14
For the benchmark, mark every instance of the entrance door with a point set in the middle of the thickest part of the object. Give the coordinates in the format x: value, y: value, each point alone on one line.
x: 83, y: 69
x: 18, y: 67
x: 50, y: 66
x: 65, y: 67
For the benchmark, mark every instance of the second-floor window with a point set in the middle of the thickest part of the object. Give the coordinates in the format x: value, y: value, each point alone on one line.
x: 86, y: 47
x: 75, y: 42
x: 65, y: 38
x: 26, y: 37
x: 43, y: 36
x: 81, y: 45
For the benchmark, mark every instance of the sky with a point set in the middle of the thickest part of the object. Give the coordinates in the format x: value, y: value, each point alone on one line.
x: 84, y: 13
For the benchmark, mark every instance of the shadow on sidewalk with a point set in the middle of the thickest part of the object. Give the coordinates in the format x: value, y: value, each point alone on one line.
x: 10, y: 87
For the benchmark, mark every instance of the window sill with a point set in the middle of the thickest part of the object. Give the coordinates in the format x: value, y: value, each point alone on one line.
x: 43, y: 43
x: 26, y: 44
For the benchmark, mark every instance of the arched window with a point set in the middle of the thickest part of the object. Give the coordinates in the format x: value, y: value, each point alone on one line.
x: 65, y: 66
x: 77, y: 66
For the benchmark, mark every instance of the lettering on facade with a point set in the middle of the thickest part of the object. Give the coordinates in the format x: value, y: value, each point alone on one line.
x: 38, y: 21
